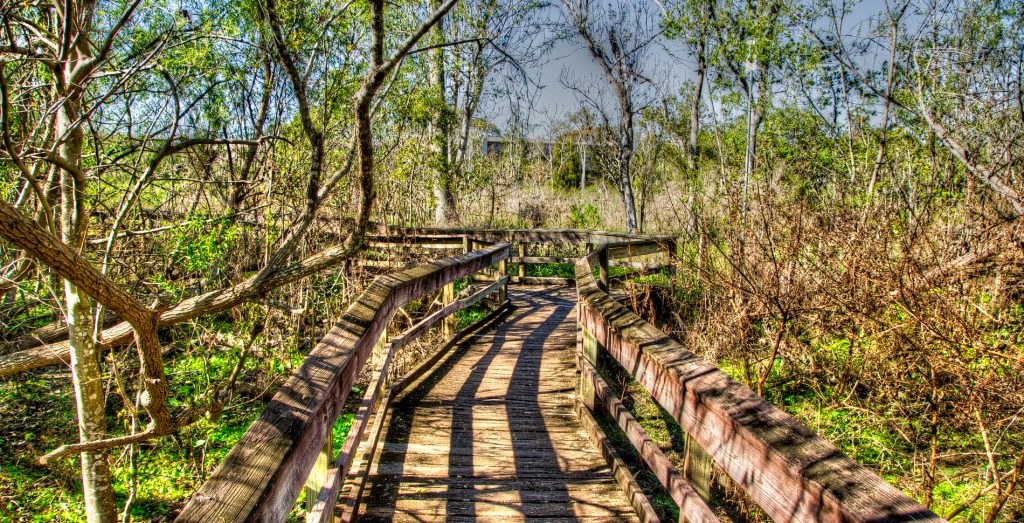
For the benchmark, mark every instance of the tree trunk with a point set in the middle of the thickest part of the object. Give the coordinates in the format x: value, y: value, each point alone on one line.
x: 625, y: 180
x: 698, y: 88
x: 90, y: 404
x: 440, y: 125
x: 753, y: 122
x: 87, y: 376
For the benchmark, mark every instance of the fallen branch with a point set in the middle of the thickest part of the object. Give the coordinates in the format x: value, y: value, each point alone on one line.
x: 188, y: 309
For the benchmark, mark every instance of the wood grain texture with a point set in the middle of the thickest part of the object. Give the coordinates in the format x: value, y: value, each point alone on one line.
x: 491, y: 432
x: 788, y: 470
x: 625, y: 478
x: 556, y: 236
x: 355, y: 481
x: 691, y: 507
x: 260, y: 478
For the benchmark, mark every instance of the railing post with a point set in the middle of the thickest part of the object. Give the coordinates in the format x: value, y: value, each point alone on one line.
x: 522, y: 264
x: 380, y: 349
x: 318, y: 477
x: 589, y: 352
x: 602, y: 258
x: 447, y: 297
x: 502, y: 272
x: 697, y: 469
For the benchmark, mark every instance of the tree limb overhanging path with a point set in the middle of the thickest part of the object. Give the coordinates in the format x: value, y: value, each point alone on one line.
x: 500, y: 422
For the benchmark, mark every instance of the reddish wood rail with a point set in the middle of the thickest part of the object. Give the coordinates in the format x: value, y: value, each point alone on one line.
x: 500, y: 407
x: 788, y: 470
x: 263, y: 474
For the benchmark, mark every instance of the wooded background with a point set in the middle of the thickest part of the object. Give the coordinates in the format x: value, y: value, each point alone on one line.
x: 186, y: 190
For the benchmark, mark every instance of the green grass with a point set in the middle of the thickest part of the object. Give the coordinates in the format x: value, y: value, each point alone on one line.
x: 37, y: 415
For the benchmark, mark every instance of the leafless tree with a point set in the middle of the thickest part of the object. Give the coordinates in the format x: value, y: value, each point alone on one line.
x: 617, y: 35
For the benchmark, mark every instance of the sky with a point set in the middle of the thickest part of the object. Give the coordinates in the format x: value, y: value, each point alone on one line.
x: 669, y: 65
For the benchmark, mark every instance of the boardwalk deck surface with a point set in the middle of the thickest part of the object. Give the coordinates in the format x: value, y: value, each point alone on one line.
x: 490, y: 434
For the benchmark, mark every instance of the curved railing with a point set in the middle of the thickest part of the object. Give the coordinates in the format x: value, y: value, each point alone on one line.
x: 288, y: 448
x: 788, y: 470
x: 793, y: 474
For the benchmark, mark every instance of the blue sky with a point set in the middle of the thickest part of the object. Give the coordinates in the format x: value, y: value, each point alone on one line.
x: 669, y: 65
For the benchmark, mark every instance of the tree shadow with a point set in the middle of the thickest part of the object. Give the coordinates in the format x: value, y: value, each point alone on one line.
x: 536, y: 484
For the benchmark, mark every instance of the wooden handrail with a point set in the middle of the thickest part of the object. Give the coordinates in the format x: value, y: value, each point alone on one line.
x: 262, y: 475
x: 558, y: 236
x: 691, y: 506
x: 788, y: 470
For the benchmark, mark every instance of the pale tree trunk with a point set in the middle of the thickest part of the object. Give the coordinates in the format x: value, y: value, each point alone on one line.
x: 625, y: 180
x: 86, y: 372
x: 444, y: 204
x: 87, y: 376
x: 698, y: 88
x: 90, y: 404
x: 754, y: 118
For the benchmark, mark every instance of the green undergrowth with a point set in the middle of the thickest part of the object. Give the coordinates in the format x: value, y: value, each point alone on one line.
x: 37, y: 415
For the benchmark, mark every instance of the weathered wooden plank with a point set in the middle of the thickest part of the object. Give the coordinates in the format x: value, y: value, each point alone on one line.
x: 636, y: 248
x: 626, y: 480
x: 637, y: 265
x: 792, y: 473
x: 558, y: 236
x: 497, y: 414
x: 261, y: 476
x: 325, y: 499
x: 387, y: 264
x: 691, y: 507
x: 432, y: 320
x: 543, y: 280
x: 542, y: 259
x: 350, y: 502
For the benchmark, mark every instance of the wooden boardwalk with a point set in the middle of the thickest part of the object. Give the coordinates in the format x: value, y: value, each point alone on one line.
x: 491, y: 433
x: 488, y: 431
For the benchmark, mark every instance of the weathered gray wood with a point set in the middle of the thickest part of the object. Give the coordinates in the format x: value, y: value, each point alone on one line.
x: 636, y: 248
x: 386, y: 264
x: 446, y: 312
x: 492, y: 436
x: 602, y: 267
x: 792, y: 473
x: 697, y: 468
x: 542, y: 259
x: 447, y: 299
x: 261, y: 476
x: 324, y: 499
x: 637, y: 265
x: 356, y: 479
x: 543, y: 280
x: 350, y: 502
x: 503, y: 275
x: 588, y: 352
x: 318, y: 478
x: 422, y: 243
x: 692, y: 507
x: 625, y: 478
x: 558, y: 236
x: 380, y: 349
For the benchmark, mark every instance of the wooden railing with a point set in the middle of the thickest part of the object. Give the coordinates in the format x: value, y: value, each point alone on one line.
x: 289, y: 446
x: 525, y: 241
x: 788, y: 470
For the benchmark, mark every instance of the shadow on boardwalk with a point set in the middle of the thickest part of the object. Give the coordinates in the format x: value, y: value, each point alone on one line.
x: 491, y: 435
